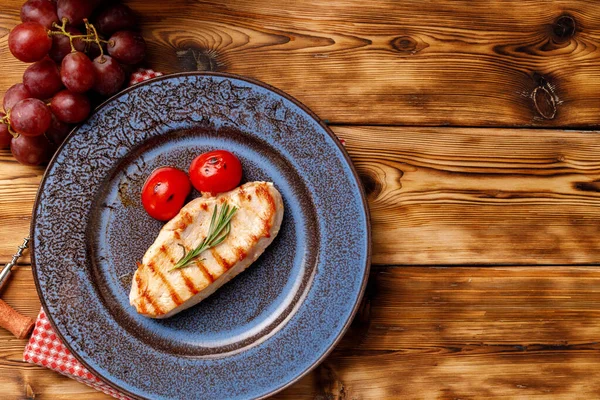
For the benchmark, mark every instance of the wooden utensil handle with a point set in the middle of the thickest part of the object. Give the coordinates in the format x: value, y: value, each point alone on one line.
x: 18, y: 324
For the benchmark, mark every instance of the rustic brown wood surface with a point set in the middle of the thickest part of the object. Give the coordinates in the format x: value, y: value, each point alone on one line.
x: 458, y: 62
x: 486, y: 277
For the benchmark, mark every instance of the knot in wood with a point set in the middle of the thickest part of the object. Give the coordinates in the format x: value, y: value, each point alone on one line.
x: 197, y: 59
x: 407, y: 45
x: 544, y: 98
x: 371, y: 185
x: 544, y: 102
x: 564, y: 28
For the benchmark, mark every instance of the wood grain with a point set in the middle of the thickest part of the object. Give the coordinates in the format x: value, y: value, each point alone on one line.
x: 440, y: 329
x: 438, y: 196
x: 442, y: 195
x: 479, y: 196
x: 447, y: 62
x: 18, y: 187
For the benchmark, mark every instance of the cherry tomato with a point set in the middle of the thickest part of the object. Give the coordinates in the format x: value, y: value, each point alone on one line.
x: 164, y: 192
x: 217, y: 171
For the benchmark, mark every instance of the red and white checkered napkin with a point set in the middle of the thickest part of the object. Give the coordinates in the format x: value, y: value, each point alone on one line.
x: 46, y: 349
x: 143, y: 75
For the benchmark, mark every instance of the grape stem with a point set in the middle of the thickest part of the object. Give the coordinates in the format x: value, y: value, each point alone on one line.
x: 6, y: 121
x: 91, y: 30
x: 91, y: 35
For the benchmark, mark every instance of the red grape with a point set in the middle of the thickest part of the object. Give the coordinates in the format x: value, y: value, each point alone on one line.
x: 75, y: 10
x: 109, y: 75
x: 30, y: 117
x: 127, y: 47
x: 58, y: 131
x: 77, y: 72
x: 42, y: 79
x: 116, y: 17
x: 61, y: 45
x: 15, y: 94
x: 40, y: 11
x: 5, y: 135
x: 30, y: 150
x: 70, y: 107
x: 29, y: 42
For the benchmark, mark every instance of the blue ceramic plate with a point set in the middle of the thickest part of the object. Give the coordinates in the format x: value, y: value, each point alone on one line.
x: 260, y: 332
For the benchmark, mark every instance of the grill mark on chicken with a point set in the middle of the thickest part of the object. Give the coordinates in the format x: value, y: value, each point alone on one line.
x: 172, y: 292
x: 240, y: 253
x: 263, y: 193
x: 167, y: 253
x: 142, y: 307
x: 142, y: 289
x: 188, y: 282
x: 204, y: 271
x: 204, y: 206
x: 138, y: 279
x: 180, y: 226
x: 186, y: 218
x: 220, y: 260
x: 150, y: 300
x: 176, y: 235
x: 267, y: 228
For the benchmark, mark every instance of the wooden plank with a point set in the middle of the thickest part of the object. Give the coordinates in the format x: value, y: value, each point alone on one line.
x: 532, y: 308
x: 18, y: 187
x: 446, y: 62
x: 528, y: 332
x: 441, y: 195
x: 478, y: 196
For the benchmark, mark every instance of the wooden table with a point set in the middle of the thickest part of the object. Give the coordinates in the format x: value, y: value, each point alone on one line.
x: 471, y: 124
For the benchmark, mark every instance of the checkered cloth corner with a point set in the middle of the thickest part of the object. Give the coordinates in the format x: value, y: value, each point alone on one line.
x: 142, y: 75
x: 45, y: 349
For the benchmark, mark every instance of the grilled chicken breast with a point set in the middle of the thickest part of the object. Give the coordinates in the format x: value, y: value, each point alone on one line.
x: 159, y: 292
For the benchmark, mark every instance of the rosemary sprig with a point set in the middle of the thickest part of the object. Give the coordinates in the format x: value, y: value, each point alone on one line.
x: 220, y: 225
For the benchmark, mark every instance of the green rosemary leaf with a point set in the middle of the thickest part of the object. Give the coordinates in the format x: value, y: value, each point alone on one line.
x: 212, y: 220
x: 220, y: 239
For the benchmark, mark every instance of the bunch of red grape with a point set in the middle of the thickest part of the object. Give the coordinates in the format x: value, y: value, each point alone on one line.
x: 72, y: 59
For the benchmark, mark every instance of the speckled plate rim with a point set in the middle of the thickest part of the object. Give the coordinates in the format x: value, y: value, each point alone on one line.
x: 312, y: 115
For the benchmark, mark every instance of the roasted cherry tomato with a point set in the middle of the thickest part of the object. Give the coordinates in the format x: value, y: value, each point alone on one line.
x: 217, y: 171
x: 164, y: 192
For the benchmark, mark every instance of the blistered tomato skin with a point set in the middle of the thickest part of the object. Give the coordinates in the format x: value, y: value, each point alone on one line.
x: 215, y: 172
x: 164, y: 193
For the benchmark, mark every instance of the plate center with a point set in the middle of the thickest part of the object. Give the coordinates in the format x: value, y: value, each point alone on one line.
x: 243, y: 312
